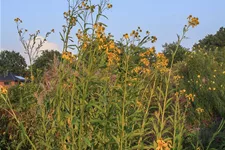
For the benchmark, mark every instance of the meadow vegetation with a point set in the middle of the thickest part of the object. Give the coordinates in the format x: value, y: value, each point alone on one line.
x: 115, y: 94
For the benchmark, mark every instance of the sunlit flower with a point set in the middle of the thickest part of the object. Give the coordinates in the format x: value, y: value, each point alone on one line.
x: 18, y: 20
x: 109, y: 5
x: 192, y: 21
x: 68, y: 56
x: 73, y: 21
x: 199, y: 110
x: 126, y: 36
x: 139, y: 104
x: 154, y: 39
x: 161, y: 63
x: 145, y: 61
x: 3, y: 90
x: 190, y: 97
x: 162, y: 145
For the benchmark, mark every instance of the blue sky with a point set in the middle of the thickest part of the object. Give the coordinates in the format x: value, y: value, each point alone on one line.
x: 163, y: 18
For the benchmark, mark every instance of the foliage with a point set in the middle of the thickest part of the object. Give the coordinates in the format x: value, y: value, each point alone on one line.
x: 169, y: 50
x: 11, y: 61
x: 22, y: 95
x: 45, y: 61
x: 212, y: 42
x: 108, y: 96
x: 207, y: 82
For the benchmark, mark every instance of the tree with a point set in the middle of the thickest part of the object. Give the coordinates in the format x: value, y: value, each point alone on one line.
x: 169, y: 49
x: 212, y: 42
x: 45, y: 60
x: 11, y: 61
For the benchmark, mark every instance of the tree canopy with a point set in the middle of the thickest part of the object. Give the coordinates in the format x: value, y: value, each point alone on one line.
x: 212, y: 42
x: 169, y: 49
x: 11, y: 61
x: 45, y: 60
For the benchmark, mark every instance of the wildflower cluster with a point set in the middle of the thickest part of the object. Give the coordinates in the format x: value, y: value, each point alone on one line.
x: 177, y: 78
x: 141, y: 70
x: 106, y: 44
x: 135, y: 33
x: 154, y: 39
x: 84, y: 6
x: 81, y: 36
x: 161, y: 63
x: 68, y: 56
x: 145, y: 61
x: 99, y: 30
x: 86, y: 88
x: 148, y: 52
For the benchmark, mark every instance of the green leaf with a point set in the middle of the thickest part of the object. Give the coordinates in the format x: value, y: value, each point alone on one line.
x: 87, y: 141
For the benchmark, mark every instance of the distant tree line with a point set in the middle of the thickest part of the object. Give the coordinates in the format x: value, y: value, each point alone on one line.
x: 11, y: 61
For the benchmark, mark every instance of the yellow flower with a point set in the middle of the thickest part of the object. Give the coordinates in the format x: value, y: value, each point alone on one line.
x: 68, y: 56
x: 148, y: 52
x: 190, y: 97
x: 65, y: 14
x: 137, y: 69
x: 109, y: 5
x: 83, y: 4
x: 112, y: 58
x: 146, y: 71
x: 111, y: 45
x: 73, y: 21
x: 199, y: 110
x: 3, y: 90
x: 142, y: 54
x: 154, y: 39
x: 139, y: 104
x: 198, y: 76
x: 145, y: 61
x: 18, y: 20
x: 182, y: 91
x: 192, y: 21
x: 132, y: 33
x: 126, y: 36
x: 162, y: 145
